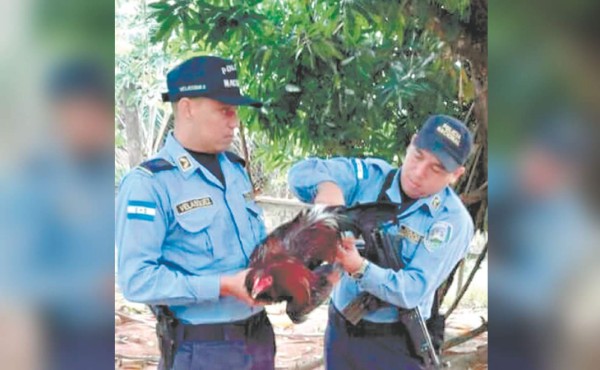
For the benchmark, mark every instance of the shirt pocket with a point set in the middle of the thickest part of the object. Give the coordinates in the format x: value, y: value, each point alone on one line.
x: 194, y: 233
x: 256, y: 221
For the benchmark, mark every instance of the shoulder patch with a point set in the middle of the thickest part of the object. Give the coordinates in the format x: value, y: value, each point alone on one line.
x: 141, y: 210
x: 155, y: 165
x: 439, y: 234
x: 235, y: 158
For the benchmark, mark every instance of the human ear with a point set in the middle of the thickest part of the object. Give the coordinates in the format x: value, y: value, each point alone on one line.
x: 456, y: 174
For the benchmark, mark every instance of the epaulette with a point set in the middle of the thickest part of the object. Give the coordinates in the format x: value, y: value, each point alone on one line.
x: 235, y: 158
x: 155, y: 165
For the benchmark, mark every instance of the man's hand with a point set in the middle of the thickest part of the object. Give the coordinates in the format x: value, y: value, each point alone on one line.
x: 348, y: 256
x: 233, y: 285
x: 329, y: 193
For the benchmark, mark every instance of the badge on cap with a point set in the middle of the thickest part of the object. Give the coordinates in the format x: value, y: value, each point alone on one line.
x: 449, y: 133
x: 184, y: 162
x: 439, y: 234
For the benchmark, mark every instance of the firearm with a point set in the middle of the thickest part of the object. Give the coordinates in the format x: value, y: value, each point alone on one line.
x: 419, y: 337
x: 386, y: 254
x: 378, y: 249
x: 166, y: 325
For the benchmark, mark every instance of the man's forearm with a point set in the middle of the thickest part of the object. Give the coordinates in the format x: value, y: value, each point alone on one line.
x: 329, y: 193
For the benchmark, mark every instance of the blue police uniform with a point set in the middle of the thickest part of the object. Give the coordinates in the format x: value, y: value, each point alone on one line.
x: 178, y: 229
x: 434, y: 233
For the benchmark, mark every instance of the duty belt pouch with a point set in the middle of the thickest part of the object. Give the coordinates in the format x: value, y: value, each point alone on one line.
x: 167, y: 333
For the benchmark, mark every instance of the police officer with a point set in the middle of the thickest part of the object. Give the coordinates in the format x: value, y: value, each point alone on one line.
x: 433, y: 233
x: 187, y: 223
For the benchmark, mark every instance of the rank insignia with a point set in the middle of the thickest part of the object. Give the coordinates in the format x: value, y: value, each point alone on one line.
x: 184, y: 162
x: 435, y: 202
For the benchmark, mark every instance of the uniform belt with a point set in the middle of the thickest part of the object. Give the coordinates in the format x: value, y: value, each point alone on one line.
x: 224, y: 331
x: 367, y: 328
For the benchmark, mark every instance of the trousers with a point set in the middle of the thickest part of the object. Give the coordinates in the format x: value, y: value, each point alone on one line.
x: 367, y: 346
x: 246, y: 345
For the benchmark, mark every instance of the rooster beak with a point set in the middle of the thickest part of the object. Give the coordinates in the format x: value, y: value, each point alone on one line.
x: 260, y: 285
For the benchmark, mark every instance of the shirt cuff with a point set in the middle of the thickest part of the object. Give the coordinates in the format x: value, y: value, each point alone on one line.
x: 205, y: 288
x: 372, y: 278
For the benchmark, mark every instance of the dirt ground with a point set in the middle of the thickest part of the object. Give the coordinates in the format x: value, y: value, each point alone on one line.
x: 297, y: 345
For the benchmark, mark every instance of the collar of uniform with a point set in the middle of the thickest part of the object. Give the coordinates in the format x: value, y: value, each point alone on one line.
x: 433, y: 203
x: 180, y: 157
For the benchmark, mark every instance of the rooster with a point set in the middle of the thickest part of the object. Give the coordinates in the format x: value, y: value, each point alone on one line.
x: 296, y: 262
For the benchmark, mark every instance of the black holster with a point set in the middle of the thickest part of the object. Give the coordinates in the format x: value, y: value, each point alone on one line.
x: 166, y: 331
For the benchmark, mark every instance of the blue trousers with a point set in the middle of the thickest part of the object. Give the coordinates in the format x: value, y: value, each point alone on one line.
x: 237, y: 348
x: 346, y: 351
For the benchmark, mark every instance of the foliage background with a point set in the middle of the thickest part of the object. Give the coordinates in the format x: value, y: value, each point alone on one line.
x: 338, y: 78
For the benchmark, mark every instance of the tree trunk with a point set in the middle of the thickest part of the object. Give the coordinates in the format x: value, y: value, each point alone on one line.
x: 133, y: 130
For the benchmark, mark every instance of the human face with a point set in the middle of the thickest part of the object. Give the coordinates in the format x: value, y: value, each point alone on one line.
x: 209, y: 124
x: 423, y: 174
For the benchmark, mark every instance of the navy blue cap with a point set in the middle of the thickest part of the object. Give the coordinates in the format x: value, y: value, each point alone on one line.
x: 447, y: 138
x: 206, y: 76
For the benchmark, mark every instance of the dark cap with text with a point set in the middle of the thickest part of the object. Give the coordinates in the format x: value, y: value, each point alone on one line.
x: 447, y: 138
x: 209, y: 77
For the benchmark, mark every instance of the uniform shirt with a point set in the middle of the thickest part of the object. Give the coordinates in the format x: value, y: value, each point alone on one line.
x: 178, y: 230
x: 434, y: 234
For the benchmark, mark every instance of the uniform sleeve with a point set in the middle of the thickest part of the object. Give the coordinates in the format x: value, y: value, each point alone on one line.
x: 446, y: 243
x: 349, y: 174
x: 141, y: 226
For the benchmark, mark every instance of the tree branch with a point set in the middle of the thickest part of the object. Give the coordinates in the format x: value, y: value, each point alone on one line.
x: 469, y: 280
x: 466, y: 337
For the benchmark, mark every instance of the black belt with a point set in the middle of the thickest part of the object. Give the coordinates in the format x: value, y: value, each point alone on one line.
x: 223, y: 331
x: 367, y: 328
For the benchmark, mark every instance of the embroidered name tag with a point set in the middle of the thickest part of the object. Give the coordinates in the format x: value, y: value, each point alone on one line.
x: 408, y: 233
x: 193, y: 204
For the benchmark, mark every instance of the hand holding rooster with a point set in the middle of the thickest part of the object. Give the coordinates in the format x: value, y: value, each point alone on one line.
x: 233, y: 285
x: 347, y: 255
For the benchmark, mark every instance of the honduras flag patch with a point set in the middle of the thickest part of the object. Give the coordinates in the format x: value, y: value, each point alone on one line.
x: 140, y: 210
